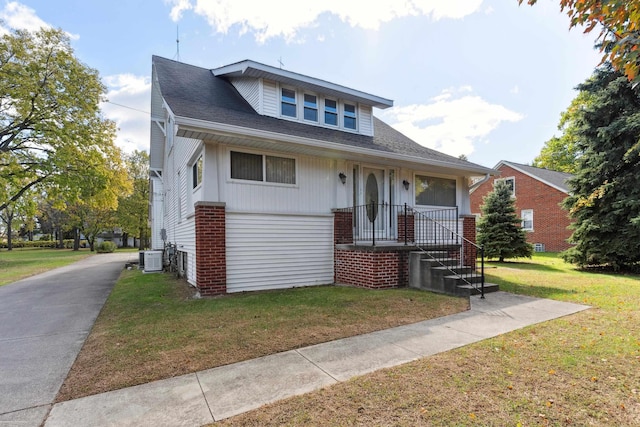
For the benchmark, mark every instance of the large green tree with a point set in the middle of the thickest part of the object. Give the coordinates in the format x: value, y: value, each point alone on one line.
x: 51, y: 128
x: 619, y: 24
x: 133, y: 209
x: 605, y: 197
x: 561, y: 153
x: 499, y: 228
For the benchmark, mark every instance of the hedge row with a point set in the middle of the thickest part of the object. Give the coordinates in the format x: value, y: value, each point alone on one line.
x: 18, y: 244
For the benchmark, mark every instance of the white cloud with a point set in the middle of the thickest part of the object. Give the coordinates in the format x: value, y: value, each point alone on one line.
x: 128, y: 107
x: 284, y: 18
x: 20, y: 17
x: 451, y: 122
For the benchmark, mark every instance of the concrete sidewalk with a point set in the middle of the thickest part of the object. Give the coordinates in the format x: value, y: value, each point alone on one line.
x: 215, y: 394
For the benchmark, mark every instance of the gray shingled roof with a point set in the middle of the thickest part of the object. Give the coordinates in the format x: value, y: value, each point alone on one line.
x: 194, y: 92
x: 555, y: 178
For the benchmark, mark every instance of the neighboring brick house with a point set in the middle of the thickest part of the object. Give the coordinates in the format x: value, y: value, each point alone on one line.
x: 539, y: 193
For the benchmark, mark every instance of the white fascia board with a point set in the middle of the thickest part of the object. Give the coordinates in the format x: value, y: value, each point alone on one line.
x: 258, y: 70
x: 232, y: 130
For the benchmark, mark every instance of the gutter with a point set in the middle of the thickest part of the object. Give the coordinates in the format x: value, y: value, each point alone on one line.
x: 198, y: 125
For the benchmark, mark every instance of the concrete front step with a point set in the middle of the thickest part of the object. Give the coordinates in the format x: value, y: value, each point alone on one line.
x: 468, y: 290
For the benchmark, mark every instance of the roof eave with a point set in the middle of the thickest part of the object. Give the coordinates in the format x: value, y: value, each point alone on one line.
x: 249, y: 68
x: 215, y: 128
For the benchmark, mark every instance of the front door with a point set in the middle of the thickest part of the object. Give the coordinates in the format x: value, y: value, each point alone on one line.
x: 373, y: 218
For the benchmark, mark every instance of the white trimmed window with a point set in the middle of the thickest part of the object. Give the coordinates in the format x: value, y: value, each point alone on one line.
x: 433, y: 191
x: 310, y: 107
x: 511, y: 183
x: 196, y: 172
x: 263, y: 168
x: 527, y: 219
x: 350, y: 119
x: 288, y: 102
x: 331, y: 112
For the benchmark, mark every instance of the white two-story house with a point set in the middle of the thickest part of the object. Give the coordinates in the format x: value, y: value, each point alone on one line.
x: 255, y: 171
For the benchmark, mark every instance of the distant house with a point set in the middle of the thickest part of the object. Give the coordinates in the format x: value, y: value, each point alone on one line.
x: 257, y: 174
x: 538, y: 194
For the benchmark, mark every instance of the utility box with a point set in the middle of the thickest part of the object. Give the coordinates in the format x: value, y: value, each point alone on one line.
x: 152, y: 261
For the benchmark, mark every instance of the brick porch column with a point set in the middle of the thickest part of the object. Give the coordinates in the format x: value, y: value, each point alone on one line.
x: 469, y: 233
x: 342, y: 227
x: 211, y: 259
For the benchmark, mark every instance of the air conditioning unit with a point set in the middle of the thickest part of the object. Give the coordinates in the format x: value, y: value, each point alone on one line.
x: 152, y: 261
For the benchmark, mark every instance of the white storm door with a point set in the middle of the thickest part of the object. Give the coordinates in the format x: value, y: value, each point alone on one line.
x: 373, y: 217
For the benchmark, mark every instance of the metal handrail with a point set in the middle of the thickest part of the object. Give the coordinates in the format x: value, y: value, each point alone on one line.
x: 468, y: 252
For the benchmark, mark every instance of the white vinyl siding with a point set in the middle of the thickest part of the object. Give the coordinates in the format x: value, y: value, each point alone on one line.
x: 314, y: 191
x: 272, y: 251
x: 270, y: 99
x: 249, y: 89
x: 365, y: 118
x: 156, y: 214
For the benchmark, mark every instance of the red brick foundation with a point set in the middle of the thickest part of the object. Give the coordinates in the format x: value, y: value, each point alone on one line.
x: 211, y: 260
x: 372, y: 267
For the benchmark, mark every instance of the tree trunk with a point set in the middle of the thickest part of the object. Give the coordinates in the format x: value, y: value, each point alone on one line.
x: 125, y: 240
x: 60, y: 238
x: 76, y: 239
x: 9, y: 221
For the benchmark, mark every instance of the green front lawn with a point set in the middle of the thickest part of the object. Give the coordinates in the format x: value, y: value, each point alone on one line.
x: 21, y: 263
x: 150, y: 329
x: 580, y: 370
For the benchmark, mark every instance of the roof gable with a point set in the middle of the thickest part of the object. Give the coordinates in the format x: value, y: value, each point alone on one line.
x: 555, y: 179
x: 254, y: 69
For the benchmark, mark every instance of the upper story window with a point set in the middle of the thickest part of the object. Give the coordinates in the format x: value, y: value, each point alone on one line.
x: 330, y: 112
x: 432, y: 191
x: 258, y: 167
x: 310, y: 107
x: 511, y: 183
x: 349, y: 116
x: 196, y: 171
x: 288, y: 102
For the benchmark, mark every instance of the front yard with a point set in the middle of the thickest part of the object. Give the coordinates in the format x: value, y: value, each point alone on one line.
x: 581, y: 370
x: 151, y: 329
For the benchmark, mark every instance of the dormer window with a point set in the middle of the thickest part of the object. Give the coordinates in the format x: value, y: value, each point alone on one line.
x: 350, y: 116
x: 310, y: 107
x: 330, y: 112
x: 288, y: 102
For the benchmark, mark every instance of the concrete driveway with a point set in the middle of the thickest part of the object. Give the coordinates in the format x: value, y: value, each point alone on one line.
x: 44, y: 321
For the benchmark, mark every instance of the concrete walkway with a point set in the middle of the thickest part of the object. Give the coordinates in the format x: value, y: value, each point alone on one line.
x: 215, y: 394
x: 44, y: 321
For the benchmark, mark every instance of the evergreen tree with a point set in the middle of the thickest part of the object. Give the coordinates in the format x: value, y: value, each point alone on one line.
x: 605, y: 197
x: 499, y: 228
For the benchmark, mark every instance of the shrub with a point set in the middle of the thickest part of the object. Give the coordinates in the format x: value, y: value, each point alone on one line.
x: 106, y: 247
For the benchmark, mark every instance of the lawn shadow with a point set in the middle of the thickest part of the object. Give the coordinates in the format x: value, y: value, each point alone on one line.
x: 523, y: 265
x: 539, y: 291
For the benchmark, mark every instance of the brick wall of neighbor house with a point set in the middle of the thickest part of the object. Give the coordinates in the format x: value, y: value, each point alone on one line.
x: 550, y: 221
x: 211, y: 261
x: 372, y: 268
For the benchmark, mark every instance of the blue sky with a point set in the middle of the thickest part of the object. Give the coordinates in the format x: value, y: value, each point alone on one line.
x: 485, y: 78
